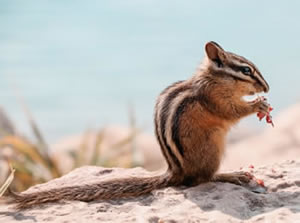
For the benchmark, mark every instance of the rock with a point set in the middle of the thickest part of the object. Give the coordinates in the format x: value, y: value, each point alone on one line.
x: 209, y: 202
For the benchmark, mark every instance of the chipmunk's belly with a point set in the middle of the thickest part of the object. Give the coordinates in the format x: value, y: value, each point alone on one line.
x: 202, y: 139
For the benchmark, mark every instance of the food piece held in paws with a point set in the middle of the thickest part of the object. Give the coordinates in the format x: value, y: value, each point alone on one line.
x: 269, y: 119
x: 261, y: 115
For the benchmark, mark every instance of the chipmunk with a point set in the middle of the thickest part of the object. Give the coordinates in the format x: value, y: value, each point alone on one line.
x: 192, y: 119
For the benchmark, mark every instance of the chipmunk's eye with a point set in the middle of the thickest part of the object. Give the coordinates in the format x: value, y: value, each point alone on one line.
x: 246, y: 70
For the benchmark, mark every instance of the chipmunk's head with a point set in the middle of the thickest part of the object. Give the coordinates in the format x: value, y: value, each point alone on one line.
x: 240, y: 74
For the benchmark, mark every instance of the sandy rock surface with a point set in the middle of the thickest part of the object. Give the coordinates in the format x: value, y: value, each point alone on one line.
x: 209, y: 202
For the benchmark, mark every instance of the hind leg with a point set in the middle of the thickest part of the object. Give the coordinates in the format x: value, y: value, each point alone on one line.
x: 239, y: 178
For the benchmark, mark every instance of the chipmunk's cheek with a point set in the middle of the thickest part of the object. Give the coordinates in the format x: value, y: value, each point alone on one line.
x: 250, y: 98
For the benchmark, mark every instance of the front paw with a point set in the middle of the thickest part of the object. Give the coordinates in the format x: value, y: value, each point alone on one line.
x: 261, y: 105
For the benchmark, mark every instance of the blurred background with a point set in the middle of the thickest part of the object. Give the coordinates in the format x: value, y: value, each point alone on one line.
x: 82, y: 65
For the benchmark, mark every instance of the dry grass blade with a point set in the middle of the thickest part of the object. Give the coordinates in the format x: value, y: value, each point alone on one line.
x: 26, y: 175
x: 118, y: 149
x: 23, y: 147
x: 96, y: 149
x: 23, y: 175
x: 126, y: 140
x: 7, y: 182
x: 6, y: 125
x: 30, y: 152
x: 137, y: 158
x: 81, y: 153
x: 25, y: 180
x: 41, y: 141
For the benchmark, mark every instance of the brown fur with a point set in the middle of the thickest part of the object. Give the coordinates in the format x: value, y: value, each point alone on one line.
x: 192, y: 119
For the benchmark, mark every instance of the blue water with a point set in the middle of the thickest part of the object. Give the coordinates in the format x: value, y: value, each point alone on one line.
x: 82, y: 64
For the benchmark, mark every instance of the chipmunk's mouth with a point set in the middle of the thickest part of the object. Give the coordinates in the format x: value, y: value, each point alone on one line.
x: 252, y: 97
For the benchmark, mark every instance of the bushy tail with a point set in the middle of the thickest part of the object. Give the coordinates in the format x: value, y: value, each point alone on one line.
x: 106, y: 190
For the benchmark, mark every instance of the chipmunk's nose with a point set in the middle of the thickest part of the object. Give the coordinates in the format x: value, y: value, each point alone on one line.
x: 266, y: 87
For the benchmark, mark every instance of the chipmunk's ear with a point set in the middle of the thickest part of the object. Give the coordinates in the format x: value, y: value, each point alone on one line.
x: 215, y: 52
